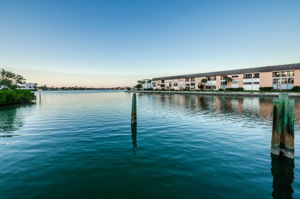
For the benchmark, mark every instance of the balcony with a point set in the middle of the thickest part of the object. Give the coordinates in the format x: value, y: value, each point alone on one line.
x: 211, y: 83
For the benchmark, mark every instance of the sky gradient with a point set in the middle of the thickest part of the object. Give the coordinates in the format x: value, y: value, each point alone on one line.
x: 116, y: 42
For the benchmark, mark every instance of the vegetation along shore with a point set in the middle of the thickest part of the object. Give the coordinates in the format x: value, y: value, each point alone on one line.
x: 12, y: 91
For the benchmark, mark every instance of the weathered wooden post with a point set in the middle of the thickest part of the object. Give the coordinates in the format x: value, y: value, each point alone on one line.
x: 283, y: 127
x: 133, y: 135
x: 288, y: 129
x: 133, y: 109
x: 40, y: 95
x: 277, y: 126
x: 133, y: 121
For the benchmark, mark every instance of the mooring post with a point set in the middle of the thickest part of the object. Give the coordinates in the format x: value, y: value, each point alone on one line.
x: 288, y: 129
x: 283, y: 127
x: 133, y: 109
x: 40, y: 92
x: 40, y: 95
x: 133, y: 135
x: 277, y: 126
x: 133, y: 121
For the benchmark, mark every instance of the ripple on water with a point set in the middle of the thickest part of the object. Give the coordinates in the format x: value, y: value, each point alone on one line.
x: 80, y: 144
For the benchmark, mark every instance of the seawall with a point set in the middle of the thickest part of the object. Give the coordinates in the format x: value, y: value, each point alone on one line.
x: 228, y: 93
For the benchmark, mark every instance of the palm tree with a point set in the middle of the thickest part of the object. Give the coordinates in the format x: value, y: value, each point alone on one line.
x: 203, y: 81
x: 3, y: 73
x: 19, y: 79
x: 10, y: 79
x: 228, y: 79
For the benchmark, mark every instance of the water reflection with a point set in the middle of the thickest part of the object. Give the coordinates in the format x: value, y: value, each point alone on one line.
x: 283, y: 177
x: 10, y: 121
x: 259, y: 107
x: 133, y: 134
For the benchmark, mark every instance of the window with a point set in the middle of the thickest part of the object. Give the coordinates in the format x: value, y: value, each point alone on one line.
x: 247, y: 76
x: 223, y: 77
x: 290, y: 80
x: 284, y: 74
x: 175, y: 83
x: 187, y: 79
x: 247, y: 83
x: 255, y: 82
x: 210, y: 87
x: 276, y: 74
x: 224, y: 83
x: 276, y: 81
x: 211, y: 78
x: 234, y: 76
x: 235, y: 81
x: 284, y: 80
x: 256, y: 75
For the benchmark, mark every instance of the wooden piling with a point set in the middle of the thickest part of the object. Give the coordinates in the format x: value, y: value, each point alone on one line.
x: 283, y: 127
x: 133, y: 134
x: 277, y: 126
x: 133, y: 121
x: 133, y: 109
x: 288, y: 129
x: 40, y: 95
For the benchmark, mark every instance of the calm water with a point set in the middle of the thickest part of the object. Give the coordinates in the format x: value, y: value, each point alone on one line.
x: 80, y: 145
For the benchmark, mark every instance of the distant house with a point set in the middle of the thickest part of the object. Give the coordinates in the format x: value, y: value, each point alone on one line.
x: 28, y: 86
x: 2, y: 87
x: 147, y: 84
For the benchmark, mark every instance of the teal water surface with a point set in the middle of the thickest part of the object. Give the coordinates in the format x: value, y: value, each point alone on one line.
x: 79, y: 144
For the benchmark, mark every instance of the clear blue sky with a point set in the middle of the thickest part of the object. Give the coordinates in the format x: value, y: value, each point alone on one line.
x: 116, y: 42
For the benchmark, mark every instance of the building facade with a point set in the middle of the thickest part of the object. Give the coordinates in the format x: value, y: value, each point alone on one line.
x: 28, y: 86
x: 146, y: 84
x: 280, y: 77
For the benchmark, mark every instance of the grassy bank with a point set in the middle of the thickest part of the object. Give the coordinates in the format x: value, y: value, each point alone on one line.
x: 15, y: 97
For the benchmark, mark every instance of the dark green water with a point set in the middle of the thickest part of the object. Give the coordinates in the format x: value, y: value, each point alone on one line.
x: 79, y: 145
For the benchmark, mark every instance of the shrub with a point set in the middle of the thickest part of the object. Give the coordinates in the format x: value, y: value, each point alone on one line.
x: 12, y: 97
x: 265, y: 88
x: 296, y: 88
x: 234, y: 89
x: 139, y: 86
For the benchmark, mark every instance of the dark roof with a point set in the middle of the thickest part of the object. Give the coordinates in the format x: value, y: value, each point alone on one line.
x: 232, y: 72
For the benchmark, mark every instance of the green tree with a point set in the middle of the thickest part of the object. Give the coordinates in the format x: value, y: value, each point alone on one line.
x: 228, y: 79
x: 138, y: 86
x: 203, y: 81
x: 10, y: 79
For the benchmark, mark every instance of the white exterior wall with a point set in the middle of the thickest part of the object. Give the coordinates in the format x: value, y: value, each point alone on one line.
x: 251, y: 84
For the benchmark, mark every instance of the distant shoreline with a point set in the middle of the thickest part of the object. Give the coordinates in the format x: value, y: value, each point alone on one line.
x: 83, y: 89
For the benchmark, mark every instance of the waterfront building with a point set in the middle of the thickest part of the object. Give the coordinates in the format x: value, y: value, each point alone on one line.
x: 279, y: 77
x: 147, y: 84
x: 28, y: 86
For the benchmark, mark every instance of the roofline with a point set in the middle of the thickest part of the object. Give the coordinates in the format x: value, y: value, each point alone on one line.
x: 232, y: 72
